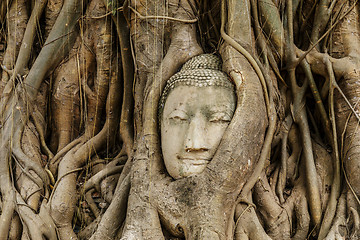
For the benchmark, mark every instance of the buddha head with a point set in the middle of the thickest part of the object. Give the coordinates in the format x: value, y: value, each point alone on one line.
x: 195, y: 108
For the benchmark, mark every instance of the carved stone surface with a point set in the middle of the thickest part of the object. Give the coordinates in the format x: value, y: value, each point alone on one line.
x: 198, y: 104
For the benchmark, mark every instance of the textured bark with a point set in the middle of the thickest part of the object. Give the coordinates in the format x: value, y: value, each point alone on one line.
x: 80, y: 139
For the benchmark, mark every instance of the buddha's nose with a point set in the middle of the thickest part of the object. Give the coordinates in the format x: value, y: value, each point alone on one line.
x: 196, y: 137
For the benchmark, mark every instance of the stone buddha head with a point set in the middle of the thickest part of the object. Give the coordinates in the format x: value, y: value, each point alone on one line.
x: 195, y: 108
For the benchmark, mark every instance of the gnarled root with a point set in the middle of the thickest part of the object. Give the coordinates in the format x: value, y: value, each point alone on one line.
x: 338, y: 230
x: 37, y: 225
x: 248, y: 225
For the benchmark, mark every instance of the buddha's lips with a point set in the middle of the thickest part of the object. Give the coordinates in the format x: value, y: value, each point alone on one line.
x: 195, y: 162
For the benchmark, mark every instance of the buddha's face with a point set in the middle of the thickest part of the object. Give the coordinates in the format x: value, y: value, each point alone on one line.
x: 192, y: 124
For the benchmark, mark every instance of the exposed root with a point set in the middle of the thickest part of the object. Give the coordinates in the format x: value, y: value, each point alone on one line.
x: 90, y: 201
x: 274, y: 216
x: 94, y: 181
x: 338, y: 227
x: 54, y: 162
x: 16, y: 18
x: 127, y: 109
x: 115, y: 214
x: 63, y: 206
x: 38, y: 225
x: 256, y: 186
x: 248, y: 225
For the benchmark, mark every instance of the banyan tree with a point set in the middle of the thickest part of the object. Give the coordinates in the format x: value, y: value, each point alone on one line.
x: 179, y: 119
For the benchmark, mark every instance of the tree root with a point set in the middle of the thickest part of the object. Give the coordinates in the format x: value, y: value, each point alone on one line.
x: 54, y: 162
x: 248, y: 225
x: 28, y: 164
x: 28, y: 39
x: 41, y: 66
x: 126, y: 119
x: 38, y: 225
x: 90, y: 201
x: 17, y: 17
x: 75, y: 159
x: 86, y: 233
x: 94, y: 181
x: 52, y: 11
x: 285, y: 195
x: 16, y: 228
x: 115, y: 214
x: 336, y: 232
x: 300, y: 118
x: 274, y: 216
x: 8, y: 195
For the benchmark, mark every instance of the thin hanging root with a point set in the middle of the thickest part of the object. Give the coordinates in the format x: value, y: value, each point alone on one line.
x: 345, y: 152
x: 248, y: 225
x: 336, y: 86
x: 325, y: 34
x: 162, y: 17
x: 336, y: 186
x: 37, y: 122
x: 16, y: 24
x: 259, y: 34
x: 280, y: 186
x: 247, y: 55
x: 272, y: 25
x: 319, y: 103
x: 126, y: 118
x: 265, y: 50
x: 51, y: 176
x: 25, y: 171
x: 350, y: 187
x: 300, y: 117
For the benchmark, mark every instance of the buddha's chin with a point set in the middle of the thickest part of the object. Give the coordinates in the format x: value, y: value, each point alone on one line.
x: 190, y: 168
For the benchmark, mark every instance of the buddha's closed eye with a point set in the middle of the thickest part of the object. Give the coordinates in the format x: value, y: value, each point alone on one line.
x: 178, y: 116
x: 220, y: 118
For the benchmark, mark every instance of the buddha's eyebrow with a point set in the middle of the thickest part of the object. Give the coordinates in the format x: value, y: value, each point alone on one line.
x: 178, y: 110
x: 223, y: 109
